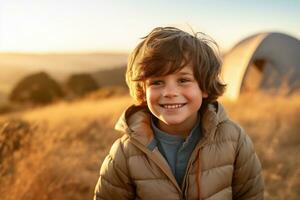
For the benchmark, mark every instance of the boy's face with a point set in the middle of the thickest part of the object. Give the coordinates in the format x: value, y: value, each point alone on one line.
x: 175, y: 99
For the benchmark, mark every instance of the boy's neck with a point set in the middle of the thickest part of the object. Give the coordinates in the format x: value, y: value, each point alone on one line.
x: 182, y: 129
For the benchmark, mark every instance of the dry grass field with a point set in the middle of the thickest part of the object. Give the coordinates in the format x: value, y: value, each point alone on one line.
x: 273, y: 123
x: 54, y: 152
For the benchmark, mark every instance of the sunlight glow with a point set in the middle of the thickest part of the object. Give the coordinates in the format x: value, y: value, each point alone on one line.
x: 29, y: 25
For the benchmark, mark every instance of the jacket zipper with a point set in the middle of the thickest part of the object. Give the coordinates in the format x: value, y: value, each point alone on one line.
x: 192, y: 159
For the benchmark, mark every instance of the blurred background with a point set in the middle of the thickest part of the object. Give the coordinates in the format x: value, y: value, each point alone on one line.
x: 62, y: 85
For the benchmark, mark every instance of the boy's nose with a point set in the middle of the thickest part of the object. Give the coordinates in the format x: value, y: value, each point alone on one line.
x: 170, y: 91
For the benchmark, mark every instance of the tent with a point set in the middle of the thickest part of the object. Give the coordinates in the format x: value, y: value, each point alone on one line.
x: 263, y: 62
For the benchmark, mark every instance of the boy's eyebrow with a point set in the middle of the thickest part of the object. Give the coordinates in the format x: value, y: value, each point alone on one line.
x: 185, y: 73
x: 179, y: 73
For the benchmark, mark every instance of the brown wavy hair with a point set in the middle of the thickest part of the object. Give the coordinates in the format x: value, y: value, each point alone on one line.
x: 166, y: 50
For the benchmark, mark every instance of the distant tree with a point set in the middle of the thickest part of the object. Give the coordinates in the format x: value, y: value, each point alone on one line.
x: 81, y: 84
x: 111, y: 77
x: 37, y: 88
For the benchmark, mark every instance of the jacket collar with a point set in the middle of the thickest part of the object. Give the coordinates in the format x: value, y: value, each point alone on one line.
x: 136, y: 122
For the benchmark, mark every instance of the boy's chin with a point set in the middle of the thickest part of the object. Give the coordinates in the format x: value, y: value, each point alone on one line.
x: 172, y: 122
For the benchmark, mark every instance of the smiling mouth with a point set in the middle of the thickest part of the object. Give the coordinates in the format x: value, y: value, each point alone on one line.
x: 172, y: 106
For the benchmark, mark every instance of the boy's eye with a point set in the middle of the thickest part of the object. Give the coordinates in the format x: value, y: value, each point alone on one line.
x: 184, y: 80
x: 155, y: 82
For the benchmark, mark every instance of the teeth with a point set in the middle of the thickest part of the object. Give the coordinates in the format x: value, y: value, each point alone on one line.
x: 172, y: 106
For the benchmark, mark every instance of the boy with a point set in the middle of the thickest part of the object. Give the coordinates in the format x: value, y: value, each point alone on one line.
x: 178, y: 142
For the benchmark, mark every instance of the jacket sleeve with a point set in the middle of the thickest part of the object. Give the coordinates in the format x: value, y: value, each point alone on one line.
x: 247, y: 182
x: 114, y: 181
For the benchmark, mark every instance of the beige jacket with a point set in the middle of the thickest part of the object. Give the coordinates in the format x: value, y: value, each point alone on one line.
x: 222, y: 166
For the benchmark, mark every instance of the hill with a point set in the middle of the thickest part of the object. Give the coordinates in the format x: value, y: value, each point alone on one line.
x: 15, y: 66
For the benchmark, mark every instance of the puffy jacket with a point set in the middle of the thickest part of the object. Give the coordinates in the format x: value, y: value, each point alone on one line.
x: 223, y: 165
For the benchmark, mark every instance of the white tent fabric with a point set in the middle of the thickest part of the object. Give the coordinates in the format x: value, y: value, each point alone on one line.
x: 274, y: 58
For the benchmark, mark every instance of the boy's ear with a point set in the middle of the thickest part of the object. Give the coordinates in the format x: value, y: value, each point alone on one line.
x: 204, y: 94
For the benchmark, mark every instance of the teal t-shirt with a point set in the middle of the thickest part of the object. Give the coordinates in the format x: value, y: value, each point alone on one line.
x: 176, y: 150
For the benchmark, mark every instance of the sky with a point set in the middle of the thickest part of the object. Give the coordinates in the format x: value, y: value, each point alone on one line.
x: 118, y: 25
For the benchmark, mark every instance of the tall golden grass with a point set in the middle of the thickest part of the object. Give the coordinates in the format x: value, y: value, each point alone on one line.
x: 273, y: 123
x: 63, y: 146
